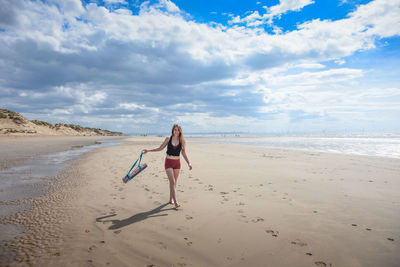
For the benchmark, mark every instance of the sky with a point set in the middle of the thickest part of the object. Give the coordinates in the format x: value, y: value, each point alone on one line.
x: 288, y: 66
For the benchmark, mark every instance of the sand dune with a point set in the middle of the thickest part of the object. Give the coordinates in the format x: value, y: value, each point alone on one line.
x: 14, y: 124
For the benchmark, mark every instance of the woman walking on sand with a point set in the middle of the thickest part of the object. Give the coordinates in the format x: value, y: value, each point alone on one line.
x: 176, y: 144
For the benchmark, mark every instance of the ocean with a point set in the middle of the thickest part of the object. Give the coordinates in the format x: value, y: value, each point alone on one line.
x: 380, y: 145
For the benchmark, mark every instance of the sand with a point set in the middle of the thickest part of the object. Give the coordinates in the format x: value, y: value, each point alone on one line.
x: 16, y: 149
x: 241, y: 206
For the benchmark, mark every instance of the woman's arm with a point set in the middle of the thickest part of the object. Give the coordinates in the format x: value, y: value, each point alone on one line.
x: 163, y: 145
x: 186, y: 158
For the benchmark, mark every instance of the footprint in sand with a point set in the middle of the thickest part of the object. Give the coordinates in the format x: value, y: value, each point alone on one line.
x: 299, y: 243
x: 390, y: 239
x: 258, y: 219
x: 189, y: 243
x: 223, y: 193
x: 92, y: 247
x: 309, y: 254
x: 368, y: 229
x: 353, y: 224
x: 219, y: 241
x: 272, y: 232
x: 117, y: 232
x: 188, y: 217
x: 322, y: 264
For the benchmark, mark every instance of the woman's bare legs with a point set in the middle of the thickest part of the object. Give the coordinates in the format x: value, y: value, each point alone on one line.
x: 176, y: 174
x: 172, y: 195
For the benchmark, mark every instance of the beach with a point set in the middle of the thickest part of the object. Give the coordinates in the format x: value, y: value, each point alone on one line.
x: 240, y: 206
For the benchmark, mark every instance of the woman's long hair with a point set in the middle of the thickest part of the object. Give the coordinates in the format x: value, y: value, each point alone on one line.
x: 181, y: 139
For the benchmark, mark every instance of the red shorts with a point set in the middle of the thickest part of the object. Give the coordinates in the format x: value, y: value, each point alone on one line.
x: 172, y: 163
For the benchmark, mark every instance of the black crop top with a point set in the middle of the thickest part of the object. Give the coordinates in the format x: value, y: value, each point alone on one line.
x: 173, y: 150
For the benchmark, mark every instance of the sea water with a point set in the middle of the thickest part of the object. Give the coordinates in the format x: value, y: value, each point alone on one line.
x: 13, y: 181
x: 381, y: 145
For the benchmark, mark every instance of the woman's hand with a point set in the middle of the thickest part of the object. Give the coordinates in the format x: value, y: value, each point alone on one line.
x: 144, y: 151
x: 190, y: 166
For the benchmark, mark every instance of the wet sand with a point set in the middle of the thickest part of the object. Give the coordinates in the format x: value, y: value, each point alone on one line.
x: 241, y: 206
x: 16, y: 149
x: 28, y: 166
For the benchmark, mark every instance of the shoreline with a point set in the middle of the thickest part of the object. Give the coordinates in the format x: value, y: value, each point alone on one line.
x: 281, y: 205
x: 17, y: 149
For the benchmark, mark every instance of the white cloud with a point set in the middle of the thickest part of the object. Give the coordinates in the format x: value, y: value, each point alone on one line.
x: 98, y: 61
x: 134, y: 106
x: 309, y: 66
x: 340, y: 61
x: 255, y: 19
x: 115, y: 1
x: 165, y: 5
x: 288, y: 5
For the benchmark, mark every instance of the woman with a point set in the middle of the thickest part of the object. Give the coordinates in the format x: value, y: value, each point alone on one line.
x: 176, y: 144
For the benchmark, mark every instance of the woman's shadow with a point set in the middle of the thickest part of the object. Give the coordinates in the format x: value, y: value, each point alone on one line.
x: 116, y: 224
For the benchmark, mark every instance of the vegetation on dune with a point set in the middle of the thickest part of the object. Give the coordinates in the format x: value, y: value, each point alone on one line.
x: 9, y: 130
x: 14, y: 116
x: 43, y: 123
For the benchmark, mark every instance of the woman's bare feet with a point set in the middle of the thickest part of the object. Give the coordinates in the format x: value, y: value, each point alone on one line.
x: 177, y: 206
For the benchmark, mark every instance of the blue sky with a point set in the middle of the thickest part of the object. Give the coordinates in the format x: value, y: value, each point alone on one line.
x: 212, y: 66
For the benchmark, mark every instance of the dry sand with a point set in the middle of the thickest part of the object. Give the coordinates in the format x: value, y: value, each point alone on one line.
x: 241, y: 206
